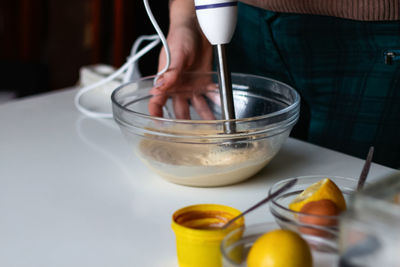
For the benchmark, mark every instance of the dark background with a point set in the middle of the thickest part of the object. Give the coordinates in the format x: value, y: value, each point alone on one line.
x: 44, y: 43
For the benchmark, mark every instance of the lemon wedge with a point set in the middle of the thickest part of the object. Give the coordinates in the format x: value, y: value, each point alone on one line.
x: 324, y: 189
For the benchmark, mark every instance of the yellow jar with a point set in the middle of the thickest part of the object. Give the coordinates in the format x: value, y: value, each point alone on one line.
x: 198, y: 233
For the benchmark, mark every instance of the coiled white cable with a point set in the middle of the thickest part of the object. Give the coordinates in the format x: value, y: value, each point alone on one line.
x: 128, y: 66
x: 109, y: 78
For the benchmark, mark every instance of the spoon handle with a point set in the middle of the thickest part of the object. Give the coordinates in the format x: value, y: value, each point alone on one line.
x: 365, y: 170
x: 265, y: 200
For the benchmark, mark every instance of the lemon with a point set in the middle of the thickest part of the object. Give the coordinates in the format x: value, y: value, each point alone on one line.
x: 280, y: 248
x: 324, y: 189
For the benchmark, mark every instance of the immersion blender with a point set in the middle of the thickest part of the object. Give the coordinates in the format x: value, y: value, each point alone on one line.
x: 217, y: 20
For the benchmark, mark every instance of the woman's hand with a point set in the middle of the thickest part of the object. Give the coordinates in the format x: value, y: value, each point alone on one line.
x: 190, y: 52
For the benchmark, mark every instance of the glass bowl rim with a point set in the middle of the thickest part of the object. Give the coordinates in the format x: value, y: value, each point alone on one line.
x: 287, y: 109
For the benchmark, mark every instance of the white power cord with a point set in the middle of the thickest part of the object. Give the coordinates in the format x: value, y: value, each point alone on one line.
x: 133, y: 71
x: 161, y: 35
x: 128, y: 67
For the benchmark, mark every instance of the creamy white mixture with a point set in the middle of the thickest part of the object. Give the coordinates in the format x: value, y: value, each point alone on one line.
x: 202, y: 164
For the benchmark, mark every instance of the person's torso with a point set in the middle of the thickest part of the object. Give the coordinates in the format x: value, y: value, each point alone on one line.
x: 367, y: 10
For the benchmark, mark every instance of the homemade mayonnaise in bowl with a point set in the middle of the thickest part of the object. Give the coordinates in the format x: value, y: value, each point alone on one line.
x: 199, y: 152
x: 204, y: 164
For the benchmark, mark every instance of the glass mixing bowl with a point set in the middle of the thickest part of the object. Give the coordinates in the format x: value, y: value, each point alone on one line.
x: 189, y: 143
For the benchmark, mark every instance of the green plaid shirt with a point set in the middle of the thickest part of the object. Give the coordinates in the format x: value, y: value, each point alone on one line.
x: 351, y: 98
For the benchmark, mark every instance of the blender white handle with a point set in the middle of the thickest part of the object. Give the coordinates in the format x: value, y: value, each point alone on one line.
x: 217, y: 19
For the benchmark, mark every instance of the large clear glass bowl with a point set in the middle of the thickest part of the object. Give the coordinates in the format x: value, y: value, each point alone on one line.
x: 199, y: 150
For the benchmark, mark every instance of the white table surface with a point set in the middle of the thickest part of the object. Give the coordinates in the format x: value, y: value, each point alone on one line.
x: 72, y: 194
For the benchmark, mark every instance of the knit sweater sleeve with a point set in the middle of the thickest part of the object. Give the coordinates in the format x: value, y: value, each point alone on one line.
x: 367, y: 10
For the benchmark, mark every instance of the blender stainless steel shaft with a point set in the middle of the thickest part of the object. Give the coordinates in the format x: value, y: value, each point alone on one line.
x: 225, y: 89
x: 217, y: 20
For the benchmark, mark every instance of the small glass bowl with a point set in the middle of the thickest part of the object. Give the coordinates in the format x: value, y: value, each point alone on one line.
x: 304, y: 224
x: 234, y: 251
